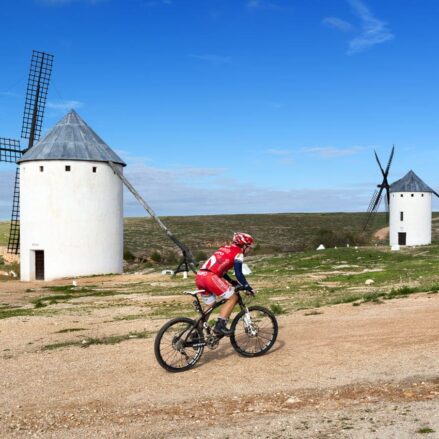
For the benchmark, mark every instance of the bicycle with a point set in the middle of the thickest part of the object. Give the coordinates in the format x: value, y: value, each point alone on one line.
x: 180, y: 343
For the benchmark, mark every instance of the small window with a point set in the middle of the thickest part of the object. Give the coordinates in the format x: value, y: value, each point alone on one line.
x: 413, y: 195
x: 68, y: 168
x: 402, y: 195
x: 422, y: 195
x: 41, y: 168
x: 95, y: 169
x: 401, y: 216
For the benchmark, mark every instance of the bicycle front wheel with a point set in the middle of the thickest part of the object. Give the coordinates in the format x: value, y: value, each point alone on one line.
x: 179, y: 345
x: 254, y: 332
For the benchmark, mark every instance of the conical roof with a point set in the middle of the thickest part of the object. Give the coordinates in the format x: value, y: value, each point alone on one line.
x: 71, y: 139
x: 410, y: 183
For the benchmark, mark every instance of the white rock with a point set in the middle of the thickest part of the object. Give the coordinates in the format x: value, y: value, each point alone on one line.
x: 369, y: 282
x: 320, y: 247
x: 169, y: 272
x: 292, y: 400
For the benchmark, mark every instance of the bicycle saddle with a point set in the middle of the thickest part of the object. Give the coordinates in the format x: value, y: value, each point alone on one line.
x: 193, y: 293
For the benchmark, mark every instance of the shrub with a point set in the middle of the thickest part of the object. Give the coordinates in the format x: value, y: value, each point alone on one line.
x: 128, y: 256
x: 330, y: 238
x: 276, y: 308
x: 201, y: 256
x: 156, y: 257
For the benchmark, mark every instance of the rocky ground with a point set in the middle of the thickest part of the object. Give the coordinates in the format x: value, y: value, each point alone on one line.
x: 369, y: 371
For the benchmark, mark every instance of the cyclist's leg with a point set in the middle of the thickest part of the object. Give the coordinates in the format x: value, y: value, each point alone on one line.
x: 224, y: 291
x: 207, y: 296
x: 227, y: 308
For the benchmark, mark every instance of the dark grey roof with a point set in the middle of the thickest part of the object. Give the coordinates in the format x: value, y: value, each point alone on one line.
x: 71, y: 139
x: 410, y: 183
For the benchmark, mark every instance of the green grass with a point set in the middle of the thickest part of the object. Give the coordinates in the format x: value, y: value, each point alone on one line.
x: 277, y: 309
x: 425, y: 430
x: 4, y: 232
x: 6, y: 313
x: 68, y: 330
x: 273, y: 232
x: 113, y: 339
x: 285, y: 281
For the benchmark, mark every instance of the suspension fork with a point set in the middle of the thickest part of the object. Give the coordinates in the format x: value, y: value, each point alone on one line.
x: 246, y: 318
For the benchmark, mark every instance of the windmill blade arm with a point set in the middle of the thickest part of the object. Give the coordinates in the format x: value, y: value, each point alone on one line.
x: 437, y: 195
x: 379, y: 164
x: 36, y: 95
x: 390, y: 160
x: 10, y: 150
x: 376, y: 205
x: 187, y: 255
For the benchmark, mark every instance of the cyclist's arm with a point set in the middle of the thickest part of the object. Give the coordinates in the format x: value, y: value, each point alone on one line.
x: 239, y: 274
x: 230, y: 280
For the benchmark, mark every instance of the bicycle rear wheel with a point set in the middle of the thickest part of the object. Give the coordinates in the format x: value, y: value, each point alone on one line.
x: 179, y: 345
x: 254, y: 333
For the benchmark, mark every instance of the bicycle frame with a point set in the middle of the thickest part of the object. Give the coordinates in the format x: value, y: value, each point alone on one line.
x: 201, y: 322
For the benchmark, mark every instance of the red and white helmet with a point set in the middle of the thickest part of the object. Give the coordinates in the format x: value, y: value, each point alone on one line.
x: 243, y: 239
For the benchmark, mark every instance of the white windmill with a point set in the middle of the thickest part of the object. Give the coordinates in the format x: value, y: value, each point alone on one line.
x: 71, y: 203
x: 410, y: 211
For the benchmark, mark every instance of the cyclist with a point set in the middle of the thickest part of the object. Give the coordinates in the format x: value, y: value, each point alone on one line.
x: 214, y: 280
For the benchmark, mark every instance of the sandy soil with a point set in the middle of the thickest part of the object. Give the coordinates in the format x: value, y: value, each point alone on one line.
x: 360, y: 372
x: 382, y: 234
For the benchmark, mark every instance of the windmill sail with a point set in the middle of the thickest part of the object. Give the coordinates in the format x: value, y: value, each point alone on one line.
x: 377, y: 196
x: 36, y: 95
x: 10, y: 149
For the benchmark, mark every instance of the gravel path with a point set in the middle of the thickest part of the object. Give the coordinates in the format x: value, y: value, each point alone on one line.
x: 367, y: 371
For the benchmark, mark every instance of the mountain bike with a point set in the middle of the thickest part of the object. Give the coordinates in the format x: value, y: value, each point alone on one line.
x: 180, y: 342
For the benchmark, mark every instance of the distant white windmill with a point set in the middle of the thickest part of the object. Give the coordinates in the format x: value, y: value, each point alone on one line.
x: 410, y: 211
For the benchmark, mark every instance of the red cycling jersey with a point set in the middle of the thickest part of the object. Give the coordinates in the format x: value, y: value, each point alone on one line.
x: 223, y: 259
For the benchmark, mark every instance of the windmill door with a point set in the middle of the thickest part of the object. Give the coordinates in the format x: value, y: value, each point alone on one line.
x: 39, y: 264
x: 402, y: 238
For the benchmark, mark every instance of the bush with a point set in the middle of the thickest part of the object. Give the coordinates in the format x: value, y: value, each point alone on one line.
x: 128, y: 256
x: 201, y: 256
x: 330, y: 238
x: 277, y: 308
x: 2, y: 260
x: 156, y: 257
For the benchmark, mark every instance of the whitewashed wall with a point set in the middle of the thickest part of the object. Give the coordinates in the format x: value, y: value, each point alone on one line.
x: 76, y: 217
x: 417, y: 217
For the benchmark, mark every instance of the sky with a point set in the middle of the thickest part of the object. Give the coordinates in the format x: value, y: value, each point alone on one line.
x: 236, y: 106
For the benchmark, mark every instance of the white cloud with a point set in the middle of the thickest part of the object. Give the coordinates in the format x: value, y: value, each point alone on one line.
x: 338, y: 23
x: 65, y: 105
x: 7, y: 178
x: 371, y: 31
x: 213, y: 59
x: 200, y: 191
x: 177, y: 192
x: 374, y: 31
x: 331, y: 152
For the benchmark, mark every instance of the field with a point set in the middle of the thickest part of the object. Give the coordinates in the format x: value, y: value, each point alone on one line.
x: 357, y: 354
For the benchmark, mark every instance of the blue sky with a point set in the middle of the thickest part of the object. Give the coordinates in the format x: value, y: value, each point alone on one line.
x: 234, y: 106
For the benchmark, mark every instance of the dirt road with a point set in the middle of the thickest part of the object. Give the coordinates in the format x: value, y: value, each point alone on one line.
x: 367, y: 371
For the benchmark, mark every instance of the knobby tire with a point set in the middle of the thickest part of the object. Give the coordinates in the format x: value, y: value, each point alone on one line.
x: 254, y: 346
